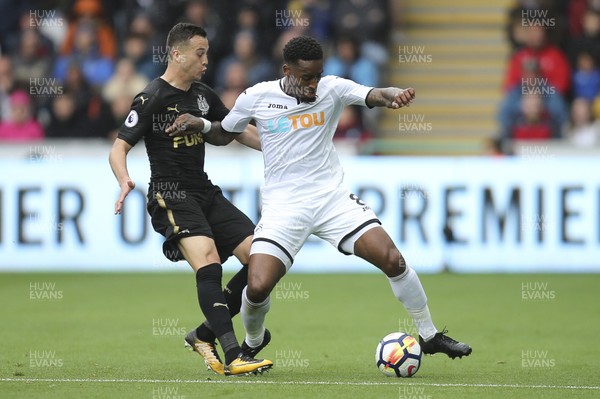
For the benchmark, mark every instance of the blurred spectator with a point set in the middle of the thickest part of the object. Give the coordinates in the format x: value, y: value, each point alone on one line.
x: 347, y: 63
x: 350, y: 126
x: 125, y: 81
x: 218, y: 20
x: 77, y: 85
x: 10, y: 11
x: 32, y: 59
x: 149, y: 65
x: 547, y: 14
x: 586, y: 79
x: 259, y: 19
x: 88, y: 103
x: 367, y: 18
x: 98, y: 118
x: 551, y: 61
x: 236, y: 81
x: 89, y: 19
x: 143, y: 26
x: 537, y: 69
x: 161, y: 14
x: 96, y: 68
x: 584, y: 132
x: 589, y: 41
x: 65, y: 120
x: 21, y: 126
x: 576, y: 9
x: 30, y: 23
x: 318, y: 14
x: 257, y: 67
x: 533, y: 122
x: 248, y: 19
x: 7, y: 84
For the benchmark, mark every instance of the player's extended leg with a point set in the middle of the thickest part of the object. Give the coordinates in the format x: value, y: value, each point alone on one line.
x: 202, y: 255
x: 202, y: 340
x: 232, y: 291
x: 264, y: 272
x: 376, y: 247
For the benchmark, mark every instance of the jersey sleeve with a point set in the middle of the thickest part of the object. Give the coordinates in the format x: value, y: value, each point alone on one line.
x: 240, y: 115
x: 218, y: 110
x: 139, y: 120
x: 350, y: 92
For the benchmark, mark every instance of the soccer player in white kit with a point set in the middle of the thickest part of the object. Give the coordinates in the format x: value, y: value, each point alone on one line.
x: 296, y: 117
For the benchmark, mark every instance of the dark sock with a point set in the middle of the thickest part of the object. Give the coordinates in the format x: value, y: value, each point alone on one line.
x: 233, y: 296
x: 233, y: 290
x: 208, y: 284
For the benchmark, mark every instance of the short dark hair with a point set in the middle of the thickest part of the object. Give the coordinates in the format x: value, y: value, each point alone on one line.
x: 302, y: 48
x: 182, y: 33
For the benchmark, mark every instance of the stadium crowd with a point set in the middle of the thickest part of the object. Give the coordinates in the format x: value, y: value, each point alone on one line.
x: 552, y: 80
x: 70, y: 69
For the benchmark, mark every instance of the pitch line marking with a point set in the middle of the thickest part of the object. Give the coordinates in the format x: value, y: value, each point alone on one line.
x: 266, y: 382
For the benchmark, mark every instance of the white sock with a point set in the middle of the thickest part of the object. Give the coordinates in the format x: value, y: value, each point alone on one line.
x: 408, y: 289
x: 253, y: 317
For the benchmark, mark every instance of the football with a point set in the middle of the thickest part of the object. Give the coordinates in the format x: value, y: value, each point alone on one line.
x: 398, y: 355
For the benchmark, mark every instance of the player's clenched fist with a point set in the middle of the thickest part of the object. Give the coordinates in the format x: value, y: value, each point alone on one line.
x: 402, y: 98
x: 185, y: 124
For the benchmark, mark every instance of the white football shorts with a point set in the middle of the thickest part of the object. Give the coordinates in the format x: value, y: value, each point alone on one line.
x: 338, y: 217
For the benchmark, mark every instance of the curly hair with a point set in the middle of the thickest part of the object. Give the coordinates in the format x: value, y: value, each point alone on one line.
x: 302, y: 48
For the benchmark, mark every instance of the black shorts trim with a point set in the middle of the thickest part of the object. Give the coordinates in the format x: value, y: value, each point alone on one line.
x: 356, y: 230
x: 277, y: 245
x: 199, y: 213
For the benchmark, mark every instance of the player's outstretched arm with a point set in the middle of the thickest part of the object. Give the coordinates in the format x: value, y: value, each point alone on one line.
x: 187, y: 124
x: 217, y: 136
x: 118, y: 163
x: 390, y: 97
x: 250, y: 138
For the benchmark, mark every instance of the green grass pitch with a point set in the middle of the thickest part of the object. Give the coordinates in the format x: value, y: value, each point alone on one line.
x: 121, y: 336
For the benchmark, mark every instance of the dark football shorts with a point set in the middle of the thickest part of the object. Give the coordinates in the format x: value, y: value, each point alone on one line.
x: 193, y: 213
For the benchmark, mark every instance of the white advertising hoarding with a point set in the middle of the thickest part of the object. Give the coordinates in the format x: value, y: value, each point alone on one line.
x: 465, y: 214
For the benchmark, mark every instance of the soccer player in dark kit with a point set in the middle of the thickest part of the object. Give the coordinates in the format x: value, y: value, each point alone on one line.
x: 199, y: 224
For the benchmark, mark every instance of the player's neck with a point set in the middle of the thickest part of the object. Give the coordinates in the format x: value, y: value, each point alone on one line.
x: 289, y: 90
x: 177, y: 79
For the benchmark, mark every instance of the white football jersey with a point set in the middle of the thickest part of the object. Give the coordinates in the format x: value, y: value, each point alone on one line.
x: 296, y: 138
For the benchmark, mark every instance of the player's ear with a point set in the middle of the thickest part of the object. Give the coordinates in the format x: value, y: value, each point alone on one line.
x: 286, y: 70
x: 176, y: 54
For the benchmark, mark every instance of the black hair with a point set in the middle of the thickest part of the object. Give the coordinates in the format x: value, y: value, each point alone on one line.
x: 302, y: 48
x: 182, y: 33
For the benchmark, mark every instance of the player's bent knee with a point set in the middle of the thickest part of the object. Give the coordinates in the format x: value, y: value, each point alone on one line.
x: 394, y: 263
x: 258, y: 289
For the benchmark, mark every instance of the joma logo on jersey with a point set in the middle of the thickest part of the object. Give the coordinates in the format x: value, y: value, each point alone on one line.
x: 278, y: 106
x: 294, y: 122
x: 189, y: 140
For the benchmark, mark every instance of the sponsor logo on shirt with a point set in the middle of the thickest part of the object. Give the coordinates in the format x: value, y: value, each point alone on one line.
x: 278, y: 106
x: 189, y: 140
x: 294, y: 122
